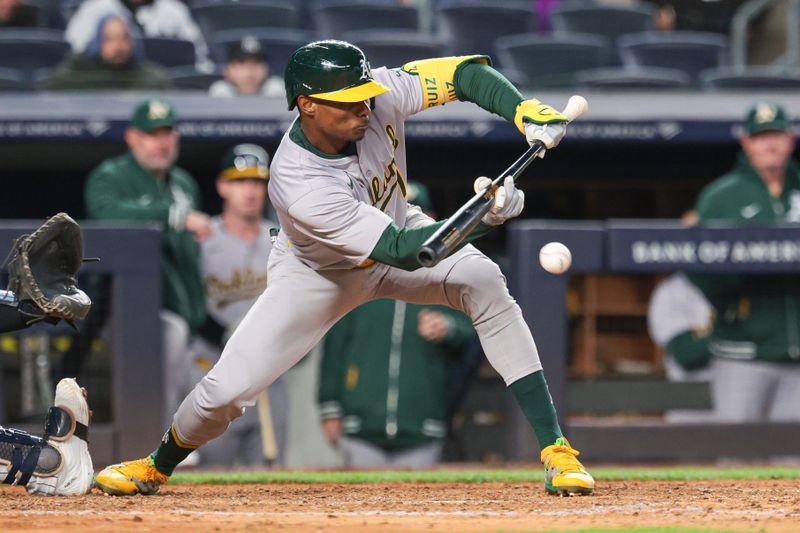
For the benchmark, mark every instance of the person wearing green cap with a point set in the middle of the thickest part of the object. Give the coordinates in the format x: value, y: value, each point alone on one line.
x: 144, y: 184
x: 755, y: 340
x: 234, y: 267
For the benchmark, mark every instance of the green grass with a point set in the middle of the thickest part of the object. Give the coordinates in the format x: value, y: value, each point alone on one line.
x: 639, y: 530
x: 481, y: 476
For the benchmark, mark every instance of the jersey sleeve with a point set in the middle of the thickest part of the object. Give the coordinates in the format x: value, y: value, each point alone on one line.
x: 333, y: 218
x: 424, y: 83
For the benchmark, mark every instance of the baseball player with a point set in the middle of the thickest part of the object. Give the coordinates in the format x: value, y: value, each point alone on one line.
x: 348, y: 236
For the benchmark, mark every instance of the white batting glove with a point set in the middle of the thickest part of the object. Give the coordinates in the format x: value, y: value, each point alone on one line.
x: 508, y: 200
x: 540, y: 123
x: 547, y: 134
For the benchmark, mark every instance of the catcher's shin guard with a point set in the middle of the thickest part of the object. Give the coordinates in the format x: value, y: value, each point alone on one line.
x: 58, y: 464
x: 26, y: 455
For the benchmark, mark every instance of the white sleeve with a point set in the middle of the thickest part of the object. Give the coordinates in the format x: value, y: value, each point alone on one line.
x: 676, y: 306
x: 416, y: 218
x: 406, y: 92
x: 83, y: 24
x: 333, y: 218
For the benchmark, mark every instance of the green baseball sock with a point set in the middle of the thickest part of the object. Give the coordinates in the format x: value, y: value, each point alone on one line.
x: 170, y: 453
x: 534, y: 398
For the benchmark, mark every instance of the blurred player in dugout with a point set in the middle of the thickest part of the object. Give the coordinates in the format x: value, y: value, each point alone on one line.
x: 755, y: 341
x: 144, y: 184
x: 384, y: 377
x: 234, y: 266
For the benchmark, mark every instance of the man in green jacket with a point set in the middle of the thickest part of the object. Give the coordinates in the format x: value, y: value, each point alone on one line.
x: 755, y: 342
x: 384, y: 375
x: 144, y: 184
x: 111, y: 61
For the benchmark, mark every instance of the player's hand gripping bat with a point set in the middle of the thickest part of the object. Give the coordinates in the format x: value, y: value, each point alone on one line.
x: 449, y: 236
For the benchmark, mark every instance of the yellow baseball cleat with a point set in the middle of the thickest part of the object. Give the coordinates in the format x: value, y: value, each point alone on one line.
x: 131, y: 478
x: 564, y: 474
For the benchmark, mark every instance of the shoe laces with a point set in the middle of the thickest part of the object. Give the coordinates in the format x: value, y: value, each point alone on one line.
x: 562, y: 456
x: 145, y: 470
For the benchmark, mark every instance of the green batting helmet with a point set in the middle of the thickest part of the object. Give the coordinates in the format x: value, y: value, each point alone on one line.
x: 330, y: 70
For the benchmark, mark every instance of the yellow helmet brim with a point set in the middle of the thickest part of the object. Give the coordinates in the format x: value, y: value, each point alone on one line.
x: 359, y: 93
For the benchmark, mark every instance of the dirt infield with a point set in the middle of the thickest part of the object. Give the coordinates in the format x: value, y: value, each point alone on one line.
x: 768, y: 505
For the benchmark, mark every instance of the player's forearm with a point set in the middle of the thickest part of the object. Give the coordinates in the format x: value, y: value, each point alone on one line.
x: 486, y: 87
x: 398, y: 247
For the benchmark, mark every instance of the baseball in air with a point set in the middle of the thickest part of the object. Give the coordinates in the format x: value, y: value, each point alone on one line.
x: 555, y: 258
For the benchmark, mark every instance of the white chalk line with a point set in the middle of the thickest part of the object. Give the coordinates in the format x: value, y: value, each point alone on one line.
x: 594, y: 510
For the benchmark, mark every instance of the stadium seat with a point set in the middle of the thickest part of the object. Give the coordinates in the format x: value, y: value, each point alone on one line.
x: 395, y: 48
x: 633, y: 78
x: 550, y: 61
x: 769, y: 77
x: 470, y: 27
x: 169, y: 52
x: 29, y: 49
x: 13, y: 80
x: 213, y: 16
x: 278, y: 44
x: 189, y: 78
x: 608, y: 21
x: 691, y: 52
x: 333, y: 19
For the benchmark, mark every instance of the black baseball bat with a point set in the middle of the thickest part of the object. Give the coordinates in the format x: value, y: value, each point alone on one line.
x: 449, y: 236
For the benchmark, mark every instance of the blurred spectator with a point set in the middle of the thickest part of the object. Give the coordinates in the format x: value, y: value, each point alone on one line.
x: 679, y: 320
x: 111, y: 61
x: 384, y: 378
x: 247, y: 72
x: 756, y: 336
x: 15, y: 14
x: 145, y: 185
x: 234, y: 264
x: 156, y: 18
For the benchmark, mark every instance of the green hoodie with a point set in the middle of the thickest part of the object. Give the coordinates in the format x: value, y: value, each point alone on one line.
x: 120, y: 189
x: 756, y: 315
x: 386, y: 382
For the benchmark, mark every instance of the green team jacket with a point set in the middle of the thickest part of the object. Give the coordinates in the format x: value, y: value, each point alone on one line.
x: 120, y: 189
x: 756, y: 316
x: 388, y: 383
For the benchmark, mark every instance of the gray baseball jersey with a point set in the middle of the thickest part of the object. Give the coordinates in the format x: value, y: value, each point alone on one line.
x: 234, y: 271
x: 313, y: 192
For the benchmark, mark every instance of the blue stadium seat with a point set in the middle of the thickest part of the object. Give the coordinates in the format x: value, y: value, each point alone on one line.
x: 691, y: 52
x: 190, y: 79
x: 333, y: 19
x: 278, y: 44
x: 768, y: 77
x: 169, y: 52
x: 472, y: 27
x: 607, y: 21
x: 13, y: 80
x: 28, y: 49
x: 395, y: 48
x: 214, y: 16
x: 552, y: 60
x: 633, y: 78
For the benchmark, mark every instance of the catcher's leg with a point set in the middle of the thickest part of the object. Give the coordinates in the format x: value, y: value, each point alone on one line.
x: 58, y: 464
x: 16, y: 315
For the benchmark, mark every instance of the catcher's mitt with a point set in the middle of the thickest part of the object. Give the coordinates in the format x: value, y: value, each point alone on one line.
x: 42, y: 267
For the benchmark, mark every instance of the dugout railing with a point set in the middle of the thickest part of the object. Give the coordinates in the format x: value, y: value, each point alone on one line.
x: 640, y: 247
